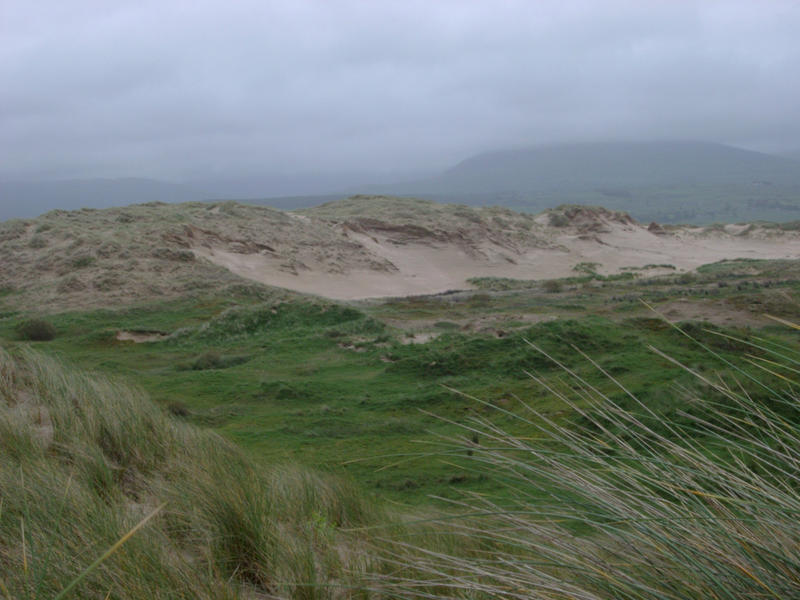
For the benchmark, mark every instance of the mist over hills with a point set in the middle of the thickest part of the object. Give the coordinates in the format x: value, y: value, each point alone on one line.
x: 669, y: 182
x: 631, y: 164
x: 662, y: 181
x: 23, y: 199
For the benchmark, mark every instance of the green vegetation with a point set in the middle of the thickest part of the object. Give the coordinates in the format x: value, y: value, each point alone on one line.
x: 335, y: 388
x: 36, y: 330
x: 577, y: 436
x: 83, y: 459
x: 591, y: 486
x: 553, y: 286
x: 639, y: 508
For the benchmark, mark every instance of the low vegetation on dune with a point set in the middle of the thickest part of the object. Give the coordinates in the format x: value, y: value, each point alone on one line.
x: 86, y: 460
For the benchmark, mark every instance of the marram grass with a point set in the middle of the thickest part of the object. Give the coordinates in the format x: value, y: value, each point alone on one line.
x: 85, y: 462
x: 630, y: 511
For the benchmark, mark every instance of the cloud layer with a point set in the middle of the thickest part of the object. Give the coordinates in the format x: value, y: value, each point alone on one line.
x: 203, y: 89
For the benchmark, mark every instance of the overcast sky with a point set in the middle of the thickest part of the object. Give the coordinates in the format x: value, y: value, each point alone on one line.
x: 220, y: 88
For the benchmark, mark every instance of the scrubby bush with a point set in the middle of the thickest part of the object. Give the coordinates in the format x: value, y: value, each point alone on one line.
x: 558, y: 219
x: 82, y: 261
x: 208, y: 360
x: 552, y: 286
x: 36, y: 330
x: 37, y: 242
x: 212, y: 360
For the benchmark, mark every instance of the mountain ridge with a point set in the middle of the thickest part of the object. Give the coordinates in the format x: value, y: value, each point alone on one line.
x: 672, y: 182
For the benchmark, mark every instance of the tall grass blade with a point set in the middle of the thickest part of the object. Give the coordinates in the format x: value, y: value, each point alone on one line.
x: 116, y: 546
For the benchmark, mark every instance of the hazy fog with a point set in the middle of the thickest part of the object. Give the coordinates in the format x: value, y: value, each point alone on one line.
x: 205, y: 90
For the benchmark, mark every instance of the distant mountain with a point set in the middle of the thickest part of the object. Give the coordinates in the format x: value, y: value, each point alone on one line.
x: 670, y: 182
x: 23, y: 199
x: 614, y: 164
x: 792, y: 154
x: 665, y: 181
x: 300, y: 185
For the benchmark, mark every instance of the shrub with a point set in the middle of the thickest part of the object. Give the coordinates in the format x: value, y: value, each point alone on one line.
x: 179, y: 255
x: 178, y: 409
x: 208, y: 360
x: 552, y: 286
x: 558, y: 220
x: 590, y: 268
x: 36, y: 330
x: 82, y: 261
x: 212, y: 360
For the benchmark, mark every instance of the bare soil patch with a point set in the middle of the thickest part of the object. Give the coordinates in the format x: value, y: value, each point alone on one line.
x: 140, y: 337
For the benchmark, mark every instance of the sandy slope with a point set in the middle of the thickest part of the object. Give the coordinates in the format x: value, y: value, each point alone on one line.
x: 357, y: 248
x: 436, y: 263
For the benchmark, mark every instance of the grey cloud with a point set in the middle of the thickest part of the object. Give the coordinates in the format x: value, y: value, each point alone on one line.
x: 181, y: 89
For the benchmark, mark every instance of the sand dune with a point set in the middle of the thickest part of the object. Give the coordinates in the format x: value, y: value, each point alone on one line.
x: 362, y: 247
x: 428, y: 260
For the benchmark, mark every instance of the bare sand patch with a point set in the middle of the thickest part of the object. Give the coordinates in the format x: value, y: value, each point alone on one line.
x: 429, y: 267
x: 140, y: 337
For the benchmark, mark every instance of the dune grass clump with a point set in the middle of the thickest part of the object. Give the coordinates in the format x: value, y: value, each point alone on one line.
x: 617, y: 505
x: 36, y: 330
x: 87, y: 463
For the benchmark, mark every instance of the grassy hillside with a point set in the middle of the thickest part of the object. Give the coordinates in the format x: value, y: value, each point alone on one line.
x: 527, y: 438
x: 637, y: 506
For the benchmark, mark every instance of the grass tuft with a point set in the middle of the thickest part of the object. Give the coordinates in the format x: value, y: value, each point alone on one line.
x: 36, y: 330
x: 85, y: 461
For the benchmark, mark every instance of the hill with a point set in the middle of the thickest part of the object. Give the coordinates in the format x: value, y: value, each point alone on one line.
x: 663, y: 181
x: 362, y: 247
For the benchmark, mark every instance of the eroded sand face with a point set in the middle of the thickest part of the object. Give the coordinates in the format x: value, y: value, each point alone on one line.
x: 434, y: 266
x: 361, y: 247
x: 420, y: 270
